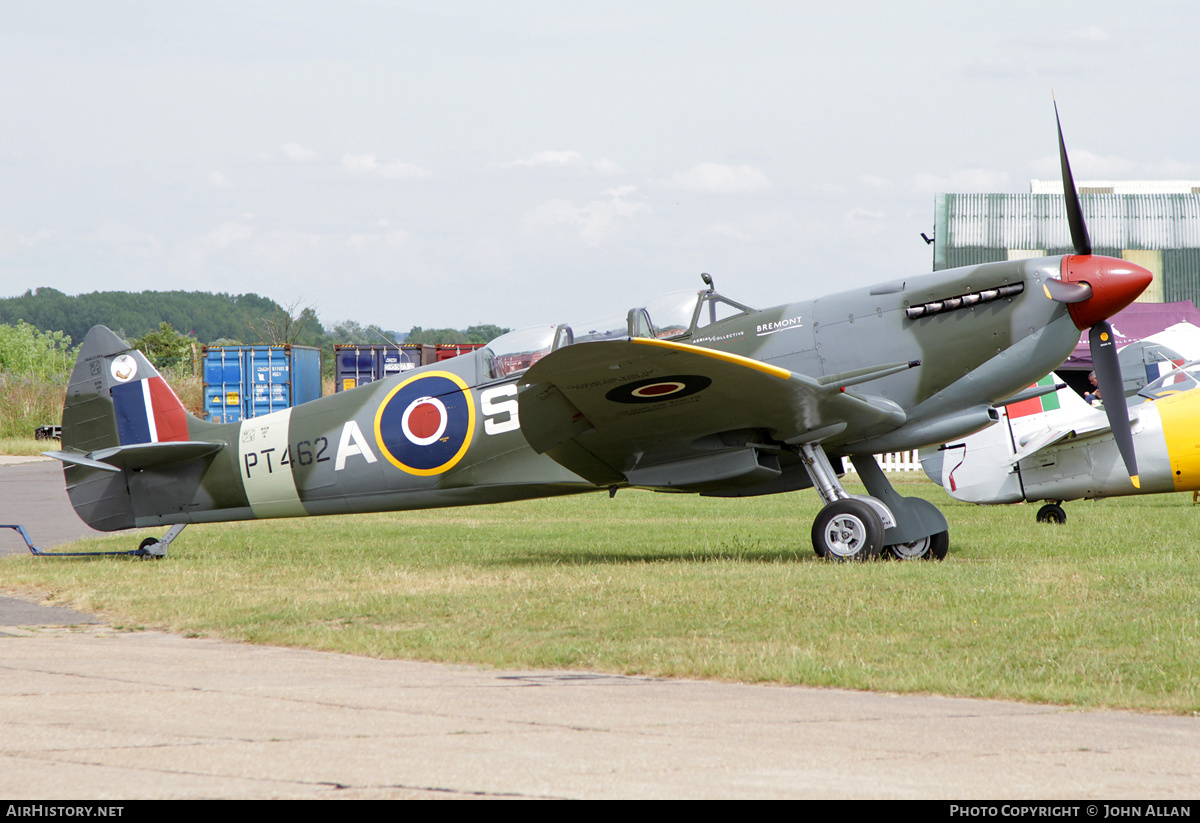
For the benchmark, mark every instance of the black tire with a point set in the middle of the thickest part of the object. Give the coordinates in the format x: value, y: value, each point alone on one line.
x: 847, y: 530
x: 142, y: 550
x: 933, y: 547
x: 1052, y: 513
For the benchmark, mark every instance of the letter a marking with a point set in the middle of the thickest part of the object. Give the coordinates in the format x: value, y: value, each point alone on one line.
x: 352, y: 443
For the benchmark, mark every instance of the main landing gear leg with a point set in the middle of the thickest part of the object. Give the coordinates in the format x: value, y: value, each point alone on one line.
x: 850, y: 527
x: 921, y: 531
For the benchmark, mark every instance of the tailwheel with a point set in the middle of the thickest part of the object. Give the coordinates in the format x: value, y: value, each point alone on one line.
x: 147, y: 549
x: 1052, y: 513
x: 847, y: 530
x: 933, y: 547
x: 156, y: 547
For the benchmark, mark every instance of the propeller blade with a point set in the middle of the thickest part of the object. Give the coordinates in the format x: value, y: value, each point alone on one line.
x: 1112, y: 392
x: 1062, y: 292
x: 1079, y: 232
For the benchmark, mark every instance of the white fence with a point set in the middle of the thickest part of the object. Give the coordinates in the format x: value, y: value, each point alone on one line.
x: 908, y: 461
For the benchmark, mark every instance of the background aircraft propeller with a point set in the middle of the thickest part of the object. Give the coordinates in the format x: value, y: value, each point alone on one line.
x: 1094, y: 289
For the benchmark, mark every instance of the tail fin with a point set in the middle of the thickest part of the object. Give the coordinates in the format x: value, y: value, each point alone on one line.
x: 120, y: 415
x: 117, y: 398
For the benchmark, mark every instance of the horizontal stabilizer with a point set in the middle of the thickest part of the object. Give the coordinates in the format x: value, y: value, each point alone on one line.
x: 140, y: 455
x: 81, y: 460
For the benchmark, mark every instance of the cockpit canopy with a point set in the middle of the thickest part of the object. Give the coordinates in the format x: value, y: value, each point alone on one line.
x: 1181, y: 379
x: 675, y: 316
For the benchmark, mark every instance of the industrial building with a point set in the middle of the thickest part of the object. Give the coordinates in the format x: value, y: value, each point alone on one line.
x: 1155, y: 224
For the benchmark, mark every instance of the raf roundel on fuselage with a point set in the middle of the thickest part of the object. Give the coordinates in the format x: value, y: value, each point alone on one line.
x: 424, y: 425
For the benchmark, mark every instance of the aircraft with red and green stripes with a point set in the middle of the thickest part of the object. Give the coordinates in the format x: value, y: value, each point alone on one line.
x: 695, y: 392
x: 1057, y: 448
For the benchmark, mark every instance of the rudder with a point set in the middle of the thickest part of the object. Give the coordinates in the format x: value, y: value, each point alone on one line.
x: 115, y: 399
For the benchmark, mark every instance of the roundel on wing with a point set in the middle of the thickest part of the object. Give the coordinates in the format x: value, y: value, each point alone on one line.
x: 656, y: 389
x: 424, y: 425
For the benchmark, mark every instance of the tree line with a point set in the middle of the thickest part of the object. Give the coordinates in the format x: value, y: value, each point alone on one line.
x: 210, y: 319
x: 206, y: 317
x: 168, y: 325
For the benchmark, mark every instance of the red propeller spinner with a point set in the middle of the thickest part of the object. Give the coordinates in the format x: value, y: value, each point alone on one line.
x: 1114, y: 285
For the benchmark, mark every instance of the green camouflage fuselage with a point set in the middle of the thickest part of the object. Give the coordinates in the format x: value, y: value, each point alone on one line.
x: 450, y: 434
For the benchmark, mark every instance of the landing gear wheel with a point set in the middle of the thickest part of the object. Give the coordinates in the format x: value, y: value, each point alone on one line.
x: 933, y: 547
x: 847, y: 530
x: 143, y: 549
x: 1052, y: 513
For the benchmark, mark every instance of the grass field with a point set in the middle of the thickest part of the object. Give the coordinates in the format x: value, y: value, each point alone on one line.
x: 1100, y: 612
x: 27, y: 445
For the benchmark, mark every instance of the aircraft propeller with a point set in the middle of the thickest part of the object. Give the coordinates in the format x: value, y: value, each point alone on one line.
x: 1094, y: 288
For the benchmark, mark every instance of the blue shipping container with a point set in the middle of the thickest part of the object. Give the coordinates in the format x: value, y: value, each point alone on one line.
x: 224, y: 383
x: 357, y: 365
x: 241, y: 382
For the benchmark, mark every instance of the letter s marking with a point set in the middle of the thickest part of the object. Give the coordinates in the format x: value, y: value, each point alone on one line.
x: 490, y: 409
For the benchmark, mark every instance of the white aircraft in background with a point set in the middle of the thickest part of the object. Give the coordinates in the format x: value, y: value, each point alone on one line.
x: 1056, y: 447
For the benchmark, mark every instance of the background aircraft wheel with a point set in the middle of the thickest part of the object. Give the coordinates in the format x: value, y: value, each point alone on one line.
x: 933, y: 547
x: 1052, y: 513
x: 847, y: 530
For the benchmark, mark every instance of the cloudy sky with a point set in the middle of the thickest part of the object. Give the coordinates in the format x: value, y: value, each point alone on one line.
x: 449, y: 163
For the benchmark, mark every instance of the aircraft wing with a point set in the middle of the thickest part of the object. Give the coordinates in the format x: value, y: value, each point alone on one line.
x: 668, y: 415
x: 1094, y: 428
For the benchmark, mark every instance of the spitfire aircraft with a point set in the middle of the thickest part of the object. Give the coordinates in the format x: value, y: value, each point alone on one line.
x: 1057, y: 448
x: 696, y: 392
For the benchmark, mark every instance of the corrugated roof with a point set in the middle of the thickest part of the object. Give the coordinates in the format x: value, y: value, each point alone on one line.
x: 1039, y: 221
x: 1118, y: 186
